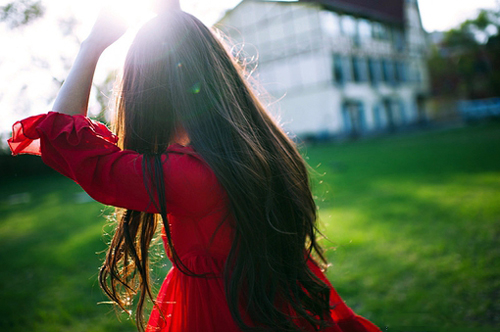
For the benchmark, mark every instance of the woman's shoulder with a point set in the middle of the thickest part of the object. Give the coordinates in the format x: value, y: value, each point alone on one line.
x: 190, y: 182
x: 185, y: 161
x: 185, y: 153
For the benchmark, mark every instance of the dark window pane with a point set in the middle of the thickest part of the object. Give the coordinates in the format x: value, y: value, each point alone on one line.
x: 347, y: 68
x: 355, y: 70
x: 363, y: 69
x: 401, y: 71
x: 338, y: 73
x: 388, y: 71
x: 371, y: 71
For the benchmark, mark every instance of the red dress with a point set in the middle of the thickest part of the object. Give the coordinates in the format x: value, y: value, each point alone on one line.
x: 86, y: 152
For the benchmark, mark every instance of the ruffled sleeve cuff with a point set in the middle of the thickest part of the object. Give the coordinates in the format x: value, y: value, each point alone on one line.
x: 26, y: 133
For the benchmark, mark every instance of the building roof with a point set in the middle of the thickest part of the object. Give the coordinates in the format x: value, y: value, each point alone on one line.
x: 390, y: 11
x: 385, y: 10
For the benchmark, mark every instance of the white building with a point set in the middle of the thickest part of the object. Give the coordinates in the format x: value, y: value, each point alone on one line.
x: 337, y: 67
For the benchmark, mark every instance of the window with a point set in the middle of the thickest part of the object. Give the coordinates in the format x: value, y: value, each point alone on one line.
x: 380, y: 31
x: 363, y: 68
x: 355, y: 70
x: 388, y: 71
x: 347, y: 68
x: 377, y: 116
x: 402, y: 110
x: 359, y: 69
x: 398, y: 40
x: 348, y: 25
x: 338, y: 73
x: 353, y: 117
x: 330, y: 22
x: 365, y: 29
x: 374, y: 72
x: 401, y: 71
x: 342, y: 69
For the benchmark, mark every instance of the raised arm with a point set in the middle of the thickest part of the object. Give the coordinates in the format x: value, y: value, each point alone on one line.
x: 73, y: 97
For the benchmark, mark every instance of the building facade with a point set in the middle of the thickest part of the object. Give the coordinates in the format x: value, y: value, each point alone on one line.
x: 336, y: 67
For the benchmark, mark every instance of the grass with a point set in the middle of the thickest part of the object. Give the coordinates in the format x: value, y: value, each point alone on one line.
x: 48, y: 279
x: 415, y: 226
x: 413, y: 223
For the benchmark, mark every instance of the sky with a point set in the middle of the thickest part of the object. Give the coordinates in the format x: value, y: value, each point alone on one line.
x: 37, y: 57
x: 441, y: 15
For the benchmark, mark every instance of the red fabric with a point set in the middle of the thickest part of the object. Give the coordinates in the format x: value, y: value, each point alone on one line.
x: 86, y: 152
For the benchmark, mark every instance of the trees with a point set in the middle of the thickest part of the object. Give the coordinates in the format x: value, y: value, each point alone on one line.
x: 40, y: 41
x: 466, y: 62
x: 21, y: 12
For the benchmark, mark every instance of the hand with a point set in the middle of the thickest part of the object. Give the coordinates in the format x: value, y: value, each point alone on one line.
x: 107, y: 29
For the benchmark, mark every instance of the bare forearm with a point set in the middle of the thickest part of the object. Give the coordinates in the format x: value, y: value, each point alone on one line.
x: 73, y: 98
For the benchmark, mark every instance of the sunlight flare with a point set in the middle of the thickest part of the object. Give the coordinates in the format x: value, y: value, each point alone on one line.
x: 133, y: 12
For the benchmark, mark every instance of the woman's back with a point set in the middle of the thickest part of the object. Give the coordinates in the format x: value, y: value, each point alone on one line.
x: 238, y: 217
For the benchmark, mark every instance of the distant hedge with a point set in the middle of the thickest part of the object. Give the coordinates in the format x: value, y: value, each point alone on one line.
x: 21, y: 166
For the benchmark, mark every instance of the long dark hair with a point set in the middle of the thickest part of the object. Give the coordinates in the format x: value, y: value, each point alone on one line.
x: 179, y: 75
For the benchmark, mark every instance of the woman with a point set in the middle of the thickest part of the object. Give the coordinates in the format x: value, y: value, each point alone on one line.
x: 194, y: 146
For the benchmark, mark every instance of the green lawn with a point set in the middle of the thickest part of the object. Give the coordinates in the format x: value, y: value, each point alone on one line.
x: 48, y: 279
x: 413, y: 223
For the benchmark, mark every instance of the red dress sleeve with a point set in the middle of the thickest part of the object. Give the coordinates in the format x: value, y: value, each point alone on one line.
x: 86, y: 151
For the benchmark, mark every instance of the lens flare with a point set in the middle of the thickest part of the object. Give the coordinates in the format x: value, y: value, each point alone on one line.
x: 132, y: 12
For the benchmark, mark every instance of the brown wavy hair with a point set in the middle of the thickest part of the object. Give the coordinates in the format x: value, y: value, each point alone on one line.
x: 179, y: 75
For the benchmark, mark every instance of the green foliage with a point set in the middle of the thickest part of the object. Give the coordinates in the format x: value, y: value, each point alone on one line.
x: 466, y: 63
x: 21, y: 12
x: 413, y: 222
x: 469, y: 32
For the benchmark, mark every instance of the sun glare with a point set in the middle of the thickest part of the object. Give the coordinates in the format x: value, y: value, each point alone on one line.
x: 132, y: 12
